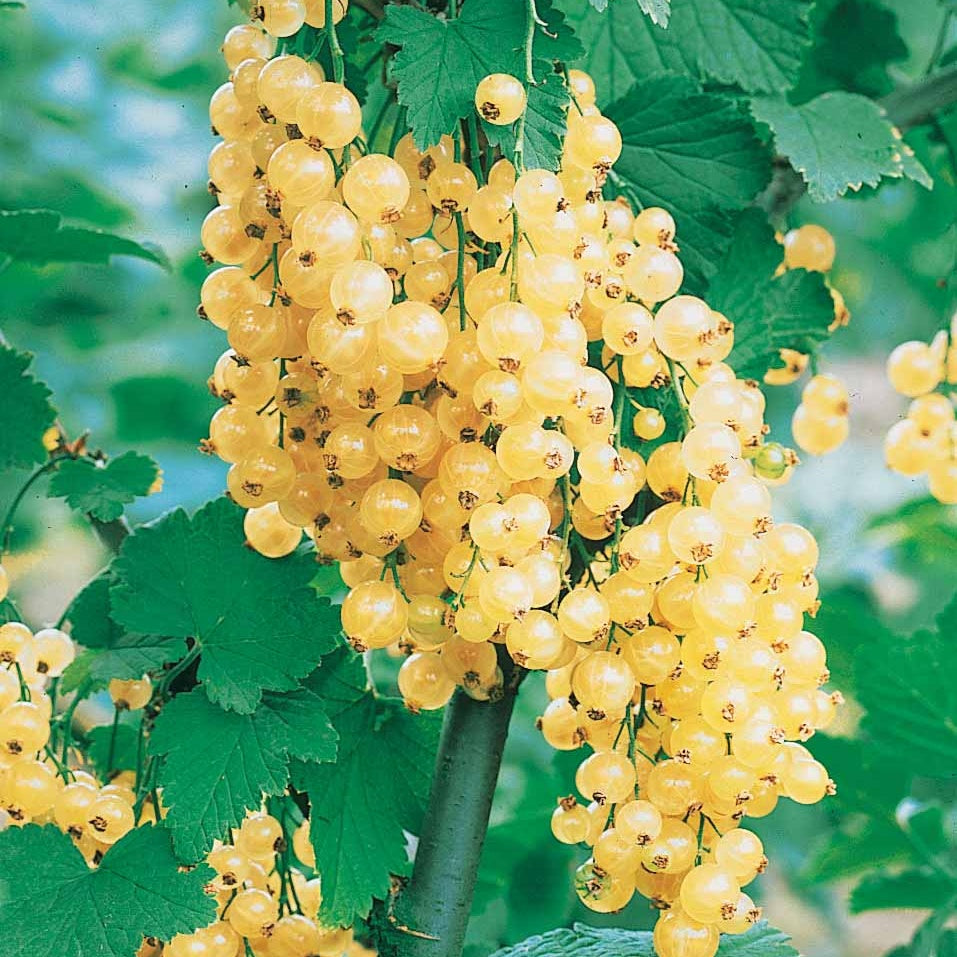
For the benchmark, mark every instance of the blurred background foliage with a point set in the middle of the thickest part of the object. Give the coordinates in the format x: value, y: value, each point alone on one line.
x: 103, y: 118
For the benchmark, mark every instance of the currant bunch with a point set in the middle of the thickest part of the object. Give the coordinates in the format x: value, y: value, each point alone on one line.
x: 433, y: 370
x: 267, y: 903
x: 925, y: 440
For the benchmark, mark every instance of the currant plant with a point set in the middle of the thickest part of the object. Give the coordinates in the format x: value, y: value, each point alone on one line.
x: 497, y: 334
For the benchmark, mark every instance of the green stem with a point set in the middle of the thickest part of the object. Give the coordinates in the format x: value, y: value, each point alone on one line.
x: 15, y: 504
x: 431, y: 914
x: 338, y: 58
x: 113, y: 733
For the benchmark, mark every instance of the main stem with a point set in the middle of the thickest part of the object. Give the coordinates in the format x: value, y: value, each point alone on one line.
x: 431, y: 914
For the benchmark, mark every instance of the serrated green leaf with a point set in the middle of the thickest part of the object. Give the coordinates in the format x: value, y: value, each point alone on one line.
x: 216, y: 765
x: 111, y: 651
x: 906, y: 686
x: 545, y: 119
x: 102, y: 489
x: 441, y: 61
x: 583, y: 941
x: 838, y: 141
x: 38, y: 236
x: 912, y: 888
x: 308, y: 733
x: 377, y: 788
x: 258, y: 624
x: 693, y: 153
x: 137, y: 891
x: 28, y: 399
x: 769, y: 313
x: 756, y: 45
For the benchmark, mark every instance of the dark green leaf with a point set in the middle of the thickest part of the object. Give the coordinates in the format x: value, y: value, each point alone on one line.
x: 102, y: 489
x: 906, y: 686
x: 582, y: 941
x: 441, y: 61
x: 28, y: 399
x: 693, y: 153
x: 838, y: 141
x: 791, y: 311
x: 866, y: 845
x: 137, y: 891
x: 38, y: 236
x: 914, y: 889
x: 377, y: 788
x: 259, y: 625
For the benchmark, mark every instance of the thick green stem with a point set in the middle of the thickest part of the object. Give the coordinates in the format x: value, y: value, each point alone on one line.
x: 431, y: 914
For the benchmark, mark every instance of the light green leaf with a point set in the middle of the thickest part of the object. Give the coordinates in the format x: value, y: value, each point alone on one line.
x: 28, y: 399
x: 137, y: 891
x: 360, y: 806
x: 38, y: 236
x: 583, y: 941
x: 693, y: 153
x: 258, y: 624
x: 769, y: 313
x: 102, y: 489
x: 838, y: 141
x: 906, y: 686
x: 913, y: 889
x: 441, y: 61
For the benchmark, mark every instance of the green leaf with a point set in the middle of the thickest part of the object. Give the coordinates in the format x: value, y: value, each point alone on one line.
x: 308, y: 733
x: 441, y: 61
x: 924, y: 529
x: 769, y: 313
x: 100, y: 738
x: 583, y: 941
x: 838, y: 141
x: 360, y: 806
x: 693, y: 153
x: 217, y: 765
x: 545, y: 120
x: 757, y: 45
x: 112, y: 652
x: 137, y: 891
x: 906, y: 686
x: 38, y: 236
x: 259, y: 625
x: 913, y: 889
x: 102, y: 490
x: 21, y: 436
